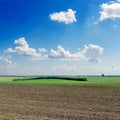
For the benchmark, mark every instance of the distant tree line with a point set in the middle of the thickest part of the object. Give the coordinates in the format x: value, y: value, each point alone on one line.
x: 62, y: 77
x: 54, y: 77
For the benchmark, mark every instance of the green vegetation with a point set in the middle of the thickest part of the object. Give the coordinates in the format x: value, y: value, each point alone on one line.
x: 51, y: 79
x: 104, y: 80
x: 8, y: 79
x: 5, y: 118
x: 84, y: 80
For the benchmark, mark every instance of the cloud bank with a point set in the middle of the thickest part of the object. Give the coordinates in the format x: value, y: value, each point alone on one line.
x: 90, y: 52
x: 66, y: 17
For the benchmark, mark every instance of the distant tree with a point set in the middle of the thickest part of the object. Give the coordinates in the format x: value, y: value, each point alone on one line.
x: 102, y: 75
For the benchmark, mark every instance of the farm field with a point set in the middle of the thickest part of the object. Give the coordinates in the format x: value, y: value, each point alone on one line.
x: 95, y: 99
x: 91, y: 80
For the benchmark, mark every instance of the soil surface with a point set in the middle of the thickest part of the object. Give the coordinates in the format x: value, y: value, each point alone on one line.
x: 59, y: 102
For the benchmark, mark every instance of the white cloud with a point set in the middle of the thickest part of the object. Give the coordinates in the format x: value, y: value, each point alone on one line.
x: 62, y: 53
x: 7, y: 60
x: 10, y: 50
x: 110, y: 11
x: 92, y: 52
x: 43, y: 50
x: 66, y: 17
x: 23, y: 48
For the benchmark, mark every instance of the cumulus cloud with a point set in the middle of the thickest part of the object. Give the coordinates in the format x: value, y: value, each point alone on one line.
x: 66, y: 17
x: 22, y: 48
x: 92, y: 52
x: 110, y: 10
x: 10, y: 50
x: 43, y: 50
x: 62, y: 53
x: 89, y: 53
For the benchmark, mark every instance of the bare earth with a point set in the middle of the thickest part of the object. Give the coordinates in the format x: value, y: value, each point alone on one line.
x: 59, y: 102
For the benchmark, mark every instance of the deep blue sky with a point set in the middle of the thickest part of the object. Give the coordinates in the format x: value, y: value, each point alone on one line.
x: 31, y: 20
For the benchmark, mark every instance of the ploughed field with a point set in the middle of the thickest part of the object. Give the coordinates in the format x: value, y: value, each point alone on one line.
x: 75, y: 101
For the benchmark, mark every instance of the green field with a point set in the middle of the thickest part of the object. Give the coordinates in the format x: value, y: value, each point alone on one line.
x: 91, y: 80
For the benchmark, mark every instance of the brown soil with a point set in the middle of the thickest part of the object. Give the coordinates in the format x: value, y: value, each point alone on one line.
x: 60, y: 102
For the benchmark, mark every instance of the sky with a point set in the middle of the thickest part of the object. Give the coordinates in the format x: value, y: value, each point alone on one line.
x: 59, y: 37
